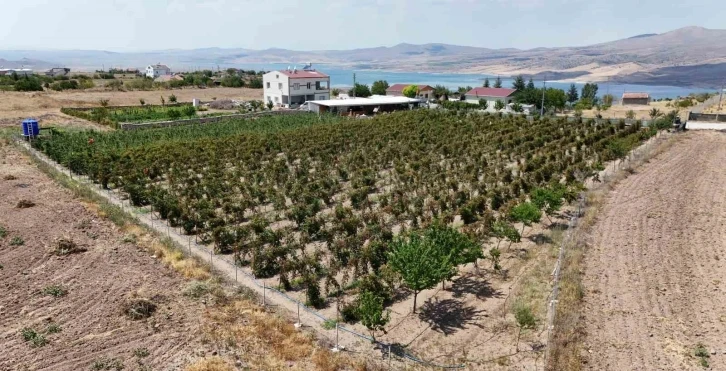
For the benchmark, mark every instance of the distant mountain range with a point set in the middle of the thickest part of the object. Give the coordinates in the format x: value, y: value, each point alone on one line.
x: 691, y: 56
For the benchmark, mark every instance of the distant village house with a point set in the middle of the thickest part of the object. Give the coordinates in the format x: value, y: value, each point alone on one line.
x: 156, y: 70
x: 58, y: 71
x: 424, y: 91
x: 642, y: 99
x: 18, y: 71
x: 293, y: 87
x: 491, y: 95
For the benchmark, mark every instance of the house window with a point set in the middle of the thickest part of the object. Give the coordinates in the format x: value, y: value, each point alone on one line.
x: 277, y: 76
x: 277, y: 99
x: 268, y: 85
x: 321, y: 85
x: 296, y: 86
x: 322, y: 97
x: 269, y: 98
x: 279, y: 85
x: 310, y: 85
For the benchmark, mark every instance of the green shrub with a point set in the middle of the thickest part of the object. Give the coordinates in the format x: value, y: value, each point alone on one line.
x: 17, y: 241
x: 55, y: 291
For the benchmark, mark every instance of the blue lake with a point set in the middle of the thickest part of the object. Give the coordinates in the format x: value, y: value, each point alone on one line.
x: 340, y: 77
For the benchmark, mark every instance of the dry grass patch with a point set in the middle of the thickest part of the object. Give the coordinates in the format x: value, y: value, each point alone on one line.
x: 210, y: 364
x: 65, y: 246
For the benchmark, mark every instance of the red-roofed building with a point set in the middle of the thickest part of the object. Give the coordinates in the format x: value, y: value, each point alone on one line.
x: 424, y: 91
x: 642, y: 99
x: 293, y: 87
x: 491, y: 95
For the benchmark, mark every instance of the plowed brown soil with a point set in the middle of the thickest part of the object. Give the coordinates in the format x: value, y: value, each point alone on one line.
x: 655, y: 275
x: 97, y: 282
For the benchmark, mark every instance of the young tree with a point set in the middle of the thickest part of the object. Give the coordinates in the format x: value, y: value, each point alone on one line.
x: 519, y: 84
x: 379, y: 87
x: 370, y: 311
x: 335, y: 92
x: 410, y: 91
x: 572, y: 96
x: 608, y: 99
x: 549, y: 200
x: 498, y: 82
x: 419, y: 262
x: 501, y: 230
x: 486, y: 82
x: 655, y: 113
x: 163, y: 101
x: 172, y: 98
x: 525, y: 213
x: 630, y: 114
x: 516, y: 107
x: 499, y: 105
x: 460, y: 248
x: 360, y: 91
x: 142, y: 101
x: 530, y: 84
x: 441, y: 92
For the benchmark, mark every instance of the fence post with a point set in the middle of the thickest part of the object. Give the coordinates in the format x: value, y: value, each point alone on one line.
x: 389, y: 356
x: 298, y: 324
x: 263, y: 293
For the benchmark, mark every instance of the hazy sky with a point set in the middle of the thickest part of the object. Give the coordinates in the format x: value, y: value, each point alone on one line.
x: 130, y: 25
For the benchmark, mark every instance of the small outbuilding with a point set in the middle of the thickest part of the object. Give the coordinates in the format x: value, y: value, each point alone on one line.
x: 363, y: 106
x: 642, y: 99
x: 491, y: 95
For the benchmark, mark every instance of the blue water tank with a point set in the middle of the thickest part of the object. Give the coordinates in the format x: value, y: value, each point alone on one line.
x: 31, y: 128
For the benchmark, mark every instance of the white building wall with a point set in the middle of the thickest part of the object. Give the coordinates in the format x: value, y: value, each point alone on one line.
x: 276, y: 84
x: 491, y: 101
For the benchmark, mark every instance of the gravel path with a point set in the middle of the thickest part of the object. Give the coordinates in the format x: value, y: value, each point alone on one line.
x: 655, y: 276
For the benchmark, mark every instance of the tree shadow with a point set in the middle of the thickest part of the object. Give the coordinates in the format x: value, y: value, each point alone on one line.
x: 557, y: 226
x: 481, y: 288
x: 540, y: 239
x: 399, y: 294
x: 449, y: 315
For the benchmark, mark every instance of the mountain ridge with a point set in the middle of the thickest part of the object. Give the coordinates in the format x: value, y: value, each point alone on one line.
x: 649, y: 57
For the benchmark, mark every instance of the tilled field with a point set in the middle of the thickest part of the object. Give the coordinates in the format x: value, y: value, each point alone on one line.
x: 655, y: 275
x: 93, y: 329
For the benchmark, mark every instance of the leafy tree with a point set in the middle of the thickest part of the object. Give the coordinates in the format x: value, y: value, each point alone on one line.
x: 142, y: 101
x: 589, y: 92
x: 503, y: 230
x: 255, y: 83
x: 517, y: 107
x: 483, y: 104
x: 370, y: 311
x: 630, y: 114
x: 460, y: 248
x: 572, y: 95
x: 270, y: 105
x: 499, y: 105
x: 441, y: 92
x: 335, y: 92
x: 655, y: 113
x: 525, y: 213
x: 495, y: 254
x: 379, y: 87
x: 549, y: 200
x: 420, y: 263
x: 27, y: 84
x: 360, y: 91
x: 519, y: 84
x: 410, y: 91
x: 530, y: 84
x: 498, y: 82
x: 608, y: 99
x: 172, y: 98
x: 486, y: 82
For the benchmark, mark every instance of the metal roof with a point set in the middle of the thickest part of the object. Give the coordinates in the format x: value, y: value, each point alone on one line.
x: 636, y: 95
x: 491, y: 92
x: 379, y: 100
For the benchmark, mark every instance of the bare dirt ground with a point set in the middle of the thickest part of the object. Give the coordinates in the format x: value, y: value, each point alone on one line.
x: 655, y: 275
x: 15, y: 106
x: 97, y: 283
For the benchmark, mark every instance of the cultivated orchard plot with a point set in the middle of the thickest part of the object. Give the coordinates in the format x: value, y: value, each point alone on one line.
x: 320, y: 202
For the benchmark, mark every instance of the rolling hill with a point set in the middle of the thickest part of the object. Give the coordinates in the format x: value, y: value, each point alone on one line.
x: 693, y: 56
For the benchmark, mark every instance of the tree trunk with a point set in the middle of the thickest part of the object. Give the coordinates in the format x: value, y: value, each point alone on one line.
x: 415, y: 294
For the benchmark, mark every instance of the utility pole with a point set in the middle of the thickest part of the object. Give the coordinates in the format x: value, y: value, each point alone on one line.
x: 720, y: 98
x: 354, y: 85
x: 544, y: 87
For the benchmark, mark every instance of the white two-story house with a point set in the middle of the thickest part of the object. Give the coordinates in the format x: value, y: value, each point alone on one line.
x: 290, y: 88
x: 155, y: 70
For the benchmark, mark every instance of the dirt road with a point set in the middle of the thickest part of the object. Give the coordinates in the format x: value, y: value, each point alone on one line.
x: 655, y: 276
